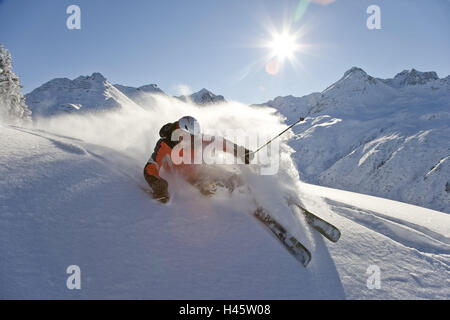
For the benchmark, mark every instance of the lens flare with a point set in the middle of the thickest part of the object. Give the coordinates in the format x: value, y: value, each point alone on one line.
x: 284, y: 45
x: 273, y: 66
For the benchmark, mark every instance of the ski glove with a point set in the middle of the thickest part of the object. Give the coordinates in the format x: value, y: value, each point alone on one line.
x: 245, y: 155
x: 248, y: 156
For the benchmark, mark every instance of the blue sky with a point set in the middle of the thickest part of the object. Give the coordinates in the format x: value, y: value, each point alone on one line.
x: 216, y: 44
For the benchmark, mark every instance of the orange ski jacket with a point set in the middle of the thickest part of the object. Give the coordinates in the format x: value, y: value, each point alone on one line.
x: 162, y: 156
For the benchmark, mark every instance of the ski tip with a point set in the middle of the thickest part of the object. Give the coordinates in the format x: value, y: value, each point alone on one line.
x: 306, y: 261
x: 336, y: 237
x: 333, y: 236
x: 304, y: 257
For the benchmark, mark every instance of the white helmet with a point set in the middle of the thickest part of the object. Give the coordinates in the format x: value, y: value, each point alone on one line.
x: 190, y: 125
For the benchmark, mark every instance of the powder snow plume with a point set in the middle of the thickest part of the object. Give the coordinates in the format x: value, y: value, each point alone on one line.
x: 134, y: 132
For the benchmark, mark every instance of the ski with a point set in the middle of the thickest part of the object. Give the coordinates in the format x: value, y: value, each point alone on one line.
x: 325, y: 228
x: 297, y: 250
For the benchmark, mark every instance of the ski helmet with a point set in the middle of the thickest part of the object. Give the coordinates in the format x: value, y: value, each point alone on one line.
x: 190, y: 125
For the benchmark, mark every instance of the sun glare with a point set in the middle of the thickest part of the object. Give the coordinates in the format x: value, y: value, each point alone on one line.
x: 283, y: 45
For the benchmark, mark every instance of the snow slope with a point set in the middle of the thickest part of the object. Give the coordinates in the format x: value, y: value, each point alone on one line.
x: 383, y: 137
x: 65, y: 201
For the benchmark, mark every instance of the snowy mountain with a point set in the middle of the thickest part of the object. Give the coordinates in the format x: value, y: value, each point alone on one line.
x: 67, y: 201
x: 142, y: 95
x: 411, y: 78
x: 92, y: 93
x: 95, y: 94
x: 384, y: 137
x: 12, y: 103
x: 203, y: 97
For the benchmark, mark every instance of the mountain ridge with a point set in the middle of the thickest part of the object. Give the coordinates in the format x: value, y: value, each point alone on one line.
x: 94, y: 93
x: 376, y: 136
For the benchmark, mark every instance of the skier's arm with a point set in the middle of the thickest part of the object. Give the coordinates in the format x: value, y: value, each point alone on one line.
x: 238, y: 151
x: 244, y: 154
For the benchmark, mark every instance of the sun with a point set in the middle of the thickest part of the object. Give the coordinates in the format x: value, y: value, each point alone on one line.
x: 283, y: 45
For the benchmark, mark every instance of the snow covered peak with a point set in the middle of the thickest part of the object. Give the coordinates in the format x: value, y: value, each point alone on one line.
x: 204, y: 91
x: 355, y: 89
x: 150, y: 88
x: 95, y: 77
x: 355, y: 75
x: 132, y: 92
x: 83, y: 94
x: 142, y: 95
x: 355, y: 72
x: 413, y: 77
x: 203, y: 97
x: 354, y: 79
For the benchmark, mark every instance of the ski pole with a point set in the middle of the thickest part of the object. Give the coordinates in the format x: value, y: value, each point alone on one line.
x: 299, y: 120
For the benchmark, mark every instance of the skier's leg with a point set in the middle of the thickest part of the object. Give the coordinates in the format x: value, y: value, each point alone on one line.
x: 158, y: 184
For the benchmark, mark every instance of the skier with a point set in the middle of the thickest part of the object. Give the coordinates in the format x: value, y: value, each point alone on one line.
x: 162, y: 156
